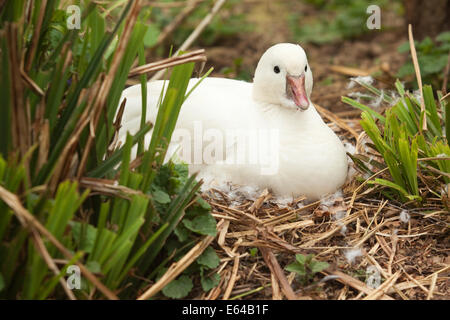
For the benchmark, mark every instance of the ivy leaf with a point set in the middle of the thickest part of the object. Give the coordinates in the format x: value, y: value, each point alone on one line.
x: 300, y: 258
x: 209, y: 258
x: 205, y: 205
x: 444, y: 37
x: 161, y: 196
x: 204, y: 224
x: 426, y: 45
x: 179, y: 288
x: 309, y: 258
x: 197, y: 210
x: 432, y: 63
x: 297, y: 268
x: 181, y: 232
x: 210, y: 282
x: 318, y: 266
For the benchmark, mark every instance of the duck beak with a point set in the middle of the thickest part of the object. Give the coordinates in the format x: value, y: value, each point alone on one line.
x: 296, y: 88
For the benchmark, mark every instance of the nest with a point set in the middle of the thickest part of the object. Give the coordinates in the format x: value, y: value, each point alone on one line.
x: 356, y: 231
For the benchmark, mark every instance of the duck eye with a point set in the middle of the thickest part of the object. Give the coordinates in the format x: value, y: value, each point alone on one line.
x: 276, y: 69
x: 306, y: 68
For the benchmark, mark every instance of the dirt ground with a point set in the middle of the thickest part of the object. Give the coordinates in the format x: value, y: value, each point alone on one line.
x: 411, y: 254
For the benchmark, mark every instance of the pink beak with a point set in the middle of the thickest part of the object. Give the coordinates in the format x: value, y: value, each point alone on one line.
x: 297, y: 87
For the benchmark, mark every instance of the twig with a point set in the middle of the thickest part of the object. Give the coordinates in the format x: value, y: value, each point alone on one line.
x: 194, y: 56
x: 37, y: 31
x: 381, y: 290
x: 354, y: 283
x: 418, y: 75
x: 349, y: 71
x: 276, y: 293
x: 432, y: 286
x: 249, y: 292
x: 288, y: 226
x: 264, y: 196
x: 31, y: 84
x: 232, y: 281
x: 275, y: 268
x: 417, y: 283
x: 352, y: 201
x: 437, y: 272
x: 402, y: 236
x: 445, y: 97
x: 169, y: 5
x: 109, y: 187
x: 393, y: 252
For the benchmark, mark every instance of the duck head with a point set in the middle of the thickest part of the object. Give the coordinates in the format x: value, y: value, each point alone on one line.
x: 283, y: 77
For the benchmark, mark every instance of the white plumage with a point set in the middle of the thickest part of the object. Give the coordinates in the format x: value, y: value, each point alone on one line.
x: 266, y: 134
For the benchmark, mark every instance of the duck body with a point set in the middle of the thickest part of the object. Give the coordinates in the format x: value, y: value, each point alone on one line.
x: 228, y: 132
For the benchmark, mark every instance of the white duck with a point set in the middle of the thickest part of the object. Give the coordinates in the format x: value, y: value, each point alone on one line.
x: 288, y: 149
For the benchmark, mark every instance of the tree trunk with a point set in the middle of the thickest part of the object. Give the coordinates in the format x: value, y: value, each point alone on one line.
x: 428, y: 17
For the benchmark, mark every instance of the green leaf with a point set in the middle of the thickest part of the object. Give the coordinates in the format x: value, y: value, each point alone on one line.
x: 179, y: 288
x: 432, y: 64
x: 395, y: 186
x: 151, y: 35
x: 210, y: 282
x: 89, y: 73
x: 204, y: 224
x: 309, y: 258
x: 318, y: 266
x: 444, y: 37
x: 400, y: 87
x: 300, y: 258
x: 426, y: 44
x: 205, y: 205
x: 209, y: 258
x: 362, y: 107
x: 182, y: 232
x: 161, y: 197
x: 253, y: 252
x: 297, y: 268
